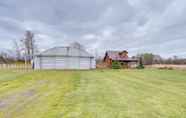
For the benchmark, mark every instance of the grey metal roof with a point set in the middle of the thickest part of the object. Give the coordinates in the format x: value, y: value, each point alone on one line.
x: 65, y: 51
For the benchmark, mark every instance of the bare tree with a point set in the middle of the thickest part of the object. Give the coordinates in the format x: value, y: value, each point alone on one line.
x: 29, y: 44
x: 17, y: 49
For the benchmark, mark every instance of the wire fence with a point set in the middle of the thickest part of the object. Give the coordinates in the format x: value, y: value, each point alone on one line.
x: 18, y: 67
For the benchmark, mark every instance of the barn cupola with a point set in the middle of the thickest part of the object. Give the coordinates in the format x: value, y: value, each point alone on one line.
x: 76, y: 45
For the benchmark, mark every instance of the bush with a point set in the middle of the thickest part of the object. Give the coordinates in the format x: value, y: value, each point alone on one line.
x: 116, y: 65
x: 140, y: 66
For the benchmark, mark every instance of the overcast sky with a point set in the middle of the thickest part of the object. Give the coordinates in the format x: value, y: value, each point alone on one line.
x: 157, y: 26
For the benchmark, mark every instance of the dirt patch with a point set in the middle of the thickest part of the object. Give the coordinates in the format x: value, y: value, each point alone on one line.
x: 40, y: 82
x: 29, y: 93
x: 3, y: 104
x: 12, y: 99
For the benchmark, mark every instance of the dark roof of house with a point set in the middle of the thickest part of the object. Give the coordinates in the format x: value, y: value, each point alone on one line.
x: 115, y: 55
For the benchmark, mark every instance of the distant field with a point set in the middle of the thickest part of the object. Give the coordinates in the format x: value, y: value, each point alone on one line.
x: 93, y: 94
x: 182, y: 67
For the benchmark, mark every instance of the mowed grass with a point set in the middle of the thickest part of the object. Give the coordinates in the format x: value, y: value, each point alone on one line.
x: 93, y: 94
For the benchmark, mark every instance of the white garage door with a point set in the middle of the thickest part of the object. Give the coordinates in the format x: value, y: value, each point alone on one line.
x: 93, y: 63
x: 61, y: 63
x: 85, y: 63
x: 73, y: 63
x: 65, y: 63
x: 47, y: 62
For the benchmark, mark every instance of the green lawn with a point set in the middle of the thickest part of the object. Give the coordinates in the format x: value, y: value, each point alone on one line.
x: 93, y: 94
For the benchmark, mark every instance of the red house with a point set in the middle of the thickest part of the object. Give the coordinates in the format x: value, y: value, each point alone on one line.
x: 120, y: 56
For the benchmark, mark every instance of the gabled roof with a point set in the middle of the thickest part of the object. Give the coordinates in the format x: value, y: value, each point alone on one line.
x: 65, y: 51
x: 115, y: 55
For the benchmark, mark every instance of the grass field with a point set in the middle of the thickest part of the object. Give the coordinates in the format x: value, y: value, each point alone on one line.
x: 93, y: 94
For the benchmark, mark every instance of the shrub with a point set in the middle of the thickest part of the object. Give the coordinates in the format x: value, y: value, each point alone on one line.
x: 140, y: 66
x: 124, y: 65
x: 116, y: 65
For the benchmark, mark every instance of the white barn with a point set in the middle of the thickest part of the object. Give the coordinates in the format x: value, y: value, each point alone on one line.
x: 70, y: 57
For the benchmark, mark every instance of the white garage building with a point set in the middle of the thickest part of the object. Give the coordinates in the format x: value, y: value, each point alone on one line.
x: 70, y: 57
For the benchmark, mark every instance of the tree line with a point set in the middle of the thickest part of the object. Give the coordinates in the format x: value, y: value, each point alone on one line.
x: 150, y: 58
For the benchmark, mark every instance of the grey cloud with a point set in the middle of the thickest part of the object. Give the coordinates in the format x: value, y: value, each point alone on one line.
x: 135, y: 25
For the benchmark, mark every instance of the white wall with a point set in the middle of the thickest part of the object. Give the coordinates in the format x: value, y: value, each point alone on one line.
x: 93, y: 63
x: 64, y: 63
x: 36, y: 63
